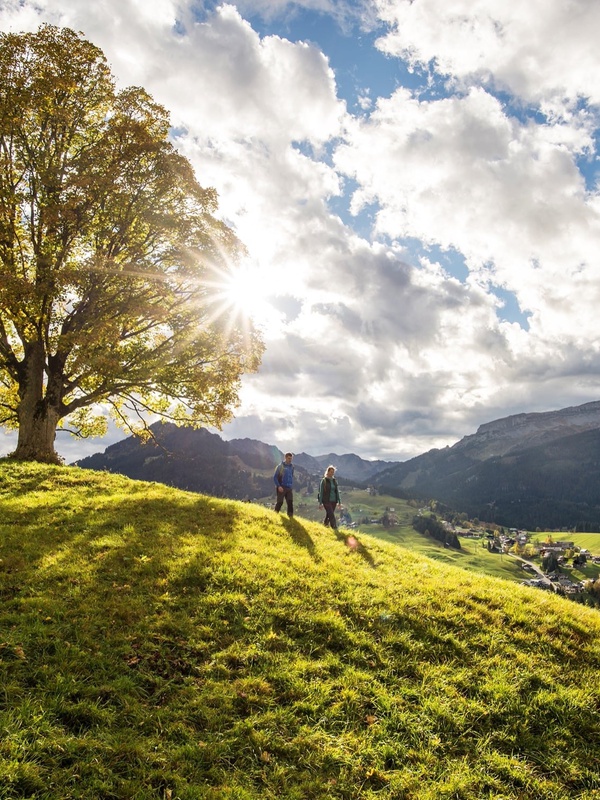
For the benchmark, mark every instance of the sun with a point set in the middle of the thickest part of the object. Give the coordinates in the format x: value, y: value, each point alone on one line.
x: 245, y: 289
x: 241, y: 293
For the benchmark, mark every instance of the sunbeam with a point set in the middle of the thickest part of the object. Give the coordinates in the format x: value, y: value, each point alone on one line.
x: 240, y: 293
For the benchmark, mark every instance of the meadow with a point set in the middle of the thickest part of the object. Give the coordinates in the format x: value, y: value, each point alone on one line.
x: 162, y: 645
x: 473, y: 555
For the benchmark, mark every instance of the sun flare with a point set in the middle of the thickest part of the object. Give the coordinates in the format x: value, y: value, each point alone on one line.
x: 245, y: 290
x: 241, y: 293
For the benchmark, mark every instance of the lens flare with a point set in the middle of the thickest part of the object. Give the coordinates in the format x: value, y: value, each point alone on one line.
x: 241, y: 292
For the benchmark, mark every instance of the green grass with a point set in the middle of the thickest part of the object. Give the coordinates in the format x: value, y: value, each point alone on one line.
x: 360, y: 503
x: 472, y: 555
x: 160, y: 644
x: 591, y: 541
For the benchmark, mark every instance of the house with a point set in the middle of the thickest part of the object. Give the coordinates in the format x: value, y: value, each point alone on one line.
x: 521, y: 537
x: 568, y: 586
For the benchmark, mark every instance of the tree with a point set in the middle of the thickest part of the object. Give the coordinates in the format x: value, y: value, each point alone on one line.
x: 550, y: 563
x: 108, y: 250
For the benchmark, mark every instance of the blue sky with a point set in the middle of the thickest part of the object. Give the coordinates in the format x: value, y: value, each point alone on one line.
x: 350, y: 49
x: 416, y: 182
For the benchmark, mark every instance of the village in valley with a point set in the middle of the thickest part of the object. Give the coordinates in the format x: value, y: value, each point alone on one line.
x: 552, y: 556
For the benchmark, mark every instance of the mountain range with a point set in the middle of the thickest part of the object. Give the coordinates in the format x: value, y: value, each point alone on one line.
x: 526, y: 470
x: 200, y: 461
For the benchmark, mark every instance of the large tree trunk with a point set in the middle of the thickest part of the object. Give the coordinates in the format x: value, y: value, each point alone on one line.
x: 37, y: 432
x: 38, y: 415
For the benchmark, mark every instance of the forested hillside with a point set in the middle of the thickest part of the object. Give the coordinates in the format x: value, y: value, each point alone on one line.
x: 541, y: 473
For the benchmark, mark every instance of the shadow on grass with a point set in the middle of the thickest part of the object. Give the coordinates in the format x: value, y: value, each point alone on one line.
x: 352, y: 543
x: 112, y: 539
x: 300, y: 536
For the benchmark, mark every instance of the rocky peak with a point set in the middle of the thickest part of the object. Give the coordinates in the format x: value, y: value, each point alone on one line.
x: 512, y: 433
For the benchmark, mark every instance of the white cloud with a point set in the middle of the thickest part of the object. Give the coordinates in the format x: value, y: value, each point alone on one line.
x: 542, y: 50
x: 460, y: 173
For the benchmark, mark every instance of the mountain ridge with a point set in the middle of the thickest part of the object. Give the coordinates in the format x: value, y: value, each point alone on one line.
x: 500, y: 436
x: 527, y: 470
x: 207, y: 451
x: 539, y: 469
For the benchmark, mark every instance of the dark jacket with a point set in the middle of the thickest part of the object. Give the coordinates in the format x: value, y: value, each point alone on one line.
x: 329, y: 492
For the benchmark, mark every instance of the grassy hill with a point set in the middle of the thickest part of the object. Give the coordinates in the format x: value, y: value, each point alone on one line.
x: 472, y: 555
x: 161, y: 644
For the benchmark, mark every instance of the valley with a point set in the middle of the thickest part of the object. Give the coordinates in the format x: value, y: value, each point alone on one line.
x: 473, y: 555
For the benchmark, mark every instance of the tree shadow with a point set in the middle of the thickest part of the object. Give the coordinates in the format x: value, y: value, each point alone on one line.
x: 300, y: 536
x: 110, y: 537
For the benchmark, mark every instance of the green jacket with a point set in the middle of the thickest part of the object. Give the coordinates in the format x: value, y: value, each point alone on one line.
x: 328, y: 491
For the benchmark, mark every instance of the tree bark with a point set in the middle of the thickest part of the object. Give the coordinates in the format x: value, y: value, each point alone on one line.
x: 38, y: 416
x: 36, y: 437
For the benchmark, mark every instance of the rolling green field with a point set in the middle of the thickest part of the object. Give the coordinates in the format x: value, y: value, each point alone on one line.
x: 591, y: 541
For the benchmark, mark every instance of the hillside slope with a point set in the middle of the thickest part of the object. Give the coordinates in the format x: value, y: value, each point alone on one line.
x: 162, y: 644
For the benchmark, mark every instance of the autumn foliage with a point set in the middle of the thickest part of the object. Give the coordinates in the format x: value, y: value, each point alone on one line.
x: 108, y: 249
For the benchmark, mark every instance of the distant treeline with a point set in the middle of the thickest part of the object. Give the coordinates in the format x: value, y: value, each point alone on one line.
x: 432, y: 526
x: 587, y: 527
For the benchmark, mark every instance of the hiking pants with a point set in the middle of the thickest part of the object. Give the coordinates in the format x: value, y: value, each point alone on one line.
x: 330, y: 515
x: 289, y: 499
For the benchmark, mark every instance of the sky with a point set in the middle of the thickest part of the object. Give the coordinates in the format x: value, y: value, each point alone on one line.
x: 417, y: 185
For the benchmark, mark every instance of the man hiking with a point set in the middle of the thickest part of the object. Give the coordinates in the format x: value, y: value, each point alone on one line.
x: 284, y: 479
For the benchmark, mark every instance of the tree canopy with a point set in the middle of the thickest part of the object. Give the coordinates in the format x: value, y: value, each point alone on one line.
x: 109, y: 247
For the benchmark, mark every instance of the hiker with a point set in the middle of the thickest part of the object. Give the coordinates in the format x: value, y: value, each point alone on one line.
x: 329, y: 497
x: 284, y: 479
